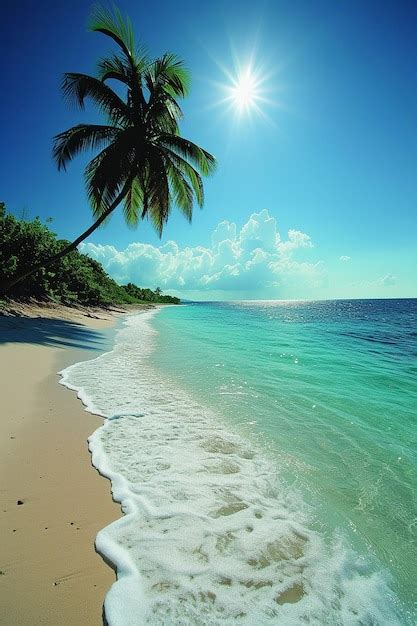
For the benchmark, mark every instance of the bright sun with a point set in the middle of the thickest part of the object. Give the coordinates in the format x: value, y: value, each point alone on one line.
x: 247, y: 91
x: 244, y: 91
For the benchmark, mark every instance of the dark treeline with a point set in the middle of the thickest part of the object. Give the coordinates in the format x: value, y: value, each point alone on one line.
x: 73, y: 279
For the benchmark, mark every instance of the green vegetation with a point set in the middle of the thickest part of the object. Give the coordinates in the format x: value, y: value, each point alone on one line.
x: 73, y: 279
x: 143, y: 162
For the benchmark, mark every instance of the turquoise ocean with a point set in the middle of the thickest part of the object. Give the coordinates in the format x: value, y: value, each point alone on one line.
x: 265, y: 455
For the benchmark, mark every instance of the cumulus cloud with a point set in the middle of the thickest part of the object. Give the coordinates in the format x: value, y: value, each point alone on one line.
x: 344, y: 258
x: 252, y: 258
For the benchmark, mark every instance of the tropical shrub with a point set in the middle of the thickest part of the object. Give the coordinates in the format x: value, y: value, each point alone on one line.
x: 73, y: 279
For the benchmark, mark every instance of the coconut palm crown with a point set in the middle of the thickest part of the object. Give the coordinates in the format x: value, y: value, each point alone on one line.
x: 143, y: 161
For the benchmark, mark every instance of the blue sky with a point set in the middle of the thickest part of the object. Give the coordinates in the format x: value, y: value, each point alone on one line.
x: 333, y: 157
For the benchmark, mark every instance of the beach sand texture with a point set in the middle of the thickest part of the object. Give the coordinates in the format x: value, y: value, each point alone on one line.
x: 53, y: 502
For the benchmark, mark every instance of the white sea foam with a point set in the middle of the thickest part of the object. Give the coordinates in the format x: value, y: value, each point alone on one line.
x: 209, y: 534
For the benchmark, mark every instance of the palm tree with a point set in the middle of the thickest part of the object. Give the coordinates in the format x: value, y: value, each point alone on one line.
x: 143, y: 164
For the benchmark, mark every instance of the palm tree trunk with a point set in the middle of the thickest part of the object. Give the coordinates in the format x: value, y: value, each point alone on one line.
x: 6, y: 285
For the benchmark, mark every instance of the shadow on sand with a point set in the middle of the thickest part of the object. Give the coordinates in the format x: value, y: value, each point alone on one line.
x: 49, y: 332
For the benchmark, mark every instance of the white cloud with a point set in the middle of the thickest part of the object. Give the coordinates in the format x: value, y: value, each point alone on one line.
x: 254, y: 258
x: 388, y: 280
x: 344, y: 258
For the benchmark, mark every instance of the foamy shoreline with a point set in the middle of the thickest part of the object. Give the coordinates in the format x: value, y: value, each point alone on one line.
x: 209, y: 534
x: 53, y: 501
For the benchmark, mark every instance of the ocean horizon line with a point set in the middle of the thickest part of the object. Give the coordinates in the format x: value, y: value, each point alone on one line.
x: 309, y: 300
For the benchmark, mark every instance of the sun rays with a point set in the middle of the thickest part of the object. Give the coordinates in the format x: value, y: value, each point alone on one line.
x: 244, y: 92
x: 247, y: 90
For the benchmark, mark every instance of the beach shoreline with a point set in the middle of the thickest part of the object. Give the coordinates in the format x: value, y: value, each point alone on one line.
x: 53, y: 500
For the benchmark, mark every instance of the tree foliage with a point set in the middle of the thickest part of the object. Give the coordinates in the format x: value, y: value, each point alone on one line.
x: 142, y: 159
x: 73, y: 279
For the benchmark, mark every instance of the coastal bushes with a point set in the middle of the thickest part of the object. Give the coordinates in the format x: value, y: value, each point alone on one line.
x: 148, y: 295
x: 73, y: 279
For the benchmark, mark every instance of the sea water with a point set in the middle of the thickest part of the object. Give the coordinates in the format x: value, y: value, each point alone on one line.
x: 265, y: 456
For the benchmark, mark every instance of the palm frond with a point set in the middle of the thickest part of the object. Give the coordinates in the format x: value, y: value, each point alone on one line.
x: 107, y: 174
x: 118, y: 68
x: 113, y: 67
x: 114, y: 25
x: 169, y: 72
x: 165, y: 79
x: 77, y: 87
x: 157, y: 200
x: 79, y: 139
x: 119, y: 28
x: 94, y: 185
x: 163, y: 113
x: 133, y: 203
x: 185, y: 169
x: 202, y: 159
x: 182, y: 191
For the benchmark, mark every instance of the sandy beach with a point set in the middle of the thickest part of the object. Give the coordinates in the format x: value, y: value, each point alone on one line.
x: 53, y: 502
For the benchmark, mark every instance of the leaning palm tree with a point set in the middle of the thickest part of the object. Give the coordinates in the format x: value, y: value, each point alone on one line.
x: 144, y: 165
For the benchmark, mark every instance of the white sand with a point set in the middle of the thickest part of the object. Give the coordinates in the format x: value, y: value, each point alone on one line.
x: 50, y: 572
